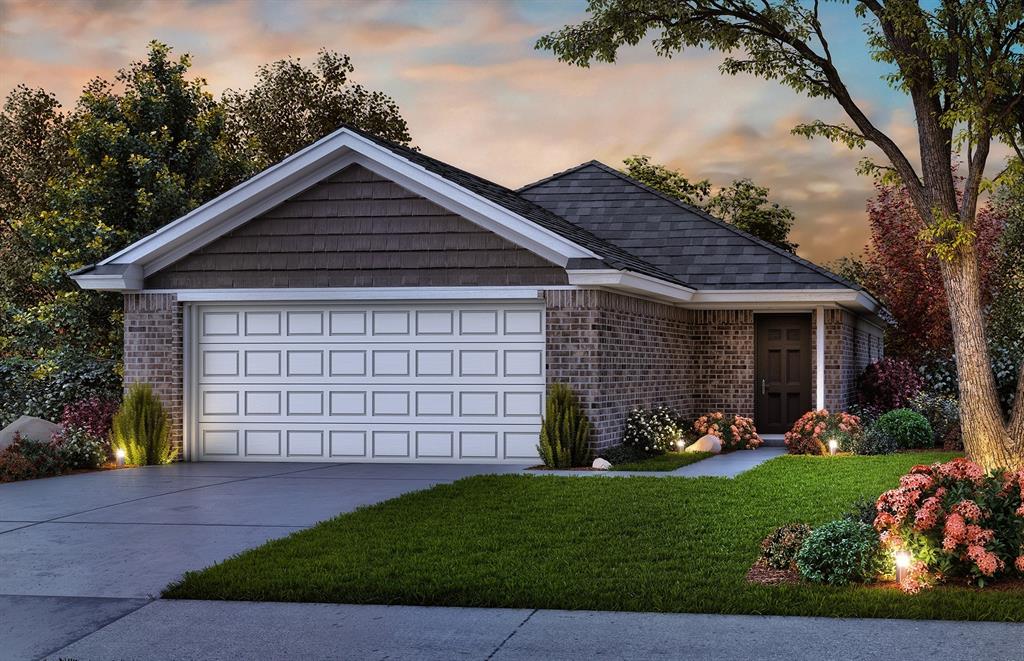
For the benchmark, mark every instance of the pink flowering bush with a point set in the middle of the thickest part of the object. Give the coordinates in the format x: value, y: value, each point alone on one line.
x: 812, y: 431
x: 955, y: 520
x: 736, y: 432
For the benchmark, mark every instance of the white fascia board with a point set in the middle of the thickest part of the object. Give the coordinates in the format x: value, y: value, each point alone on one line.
x: 632, y: 282
x: 354, y: 294
x: 305, y: 168
x: 130, y: 280
x: 768, y: 298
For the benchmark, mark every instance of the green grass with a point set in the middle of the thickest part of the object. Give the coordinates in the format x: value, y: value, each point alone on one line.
x: 663, y: 462
x: 634, y: 544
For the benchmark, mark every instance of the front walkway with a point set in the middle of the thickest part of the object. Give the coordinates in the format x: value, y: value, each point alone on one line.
x: 721, y: 465
x: 245, y: 630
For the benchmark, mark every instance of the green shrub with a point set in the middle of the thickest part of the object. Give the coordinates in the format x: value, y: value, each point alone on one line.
x: 839, y: 552
x: 872, y: 441
x: 43, y: 387
x: 564, y: 431
x: 623, y: 454
x: 141, y: 429
x: 79, y: 448
x: 943, y: 414
x: 779, y: 549
x: 653, y: 431
x: 906, y: 428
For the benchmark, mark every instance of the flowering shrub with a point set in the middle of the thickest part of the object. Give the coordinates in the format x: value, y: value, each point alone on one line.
x: 83, y: 441
x: 840, y: 552
x: 813, y: 430
x: 888, y: 384
x: 655, y: 431
x: 735, y: 431
x: 955, y: 520
x: 80, y: 449
x: 779, y: 549
x: 907, y: 429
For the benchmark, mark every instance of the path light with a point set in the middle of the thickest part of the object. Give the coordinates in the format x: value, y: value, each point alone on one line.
x: 680, y: 444
x: 902, y: 565
x: 119, y: 457
x: 833, y: 446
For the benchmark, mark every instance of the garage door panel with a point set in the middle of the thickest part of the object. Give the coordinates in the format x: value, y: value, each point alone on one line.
x: 387, y: 382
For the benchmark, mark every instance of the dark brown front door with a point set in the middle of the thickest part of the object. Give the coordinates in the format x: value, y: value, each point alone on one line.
x: 782, y: 374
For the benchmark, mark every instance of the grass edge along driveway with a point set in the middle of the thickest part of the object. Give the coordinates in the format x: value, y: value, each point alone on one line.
x: 630, y: 544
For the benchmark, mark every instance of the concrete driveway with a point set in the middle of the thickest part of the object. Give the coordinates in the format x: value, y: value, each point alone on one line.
x: 80, y: 551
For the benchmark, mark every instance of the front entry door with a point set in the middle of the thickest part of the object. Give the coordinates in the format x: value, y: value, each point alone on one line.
x: 782, y: 375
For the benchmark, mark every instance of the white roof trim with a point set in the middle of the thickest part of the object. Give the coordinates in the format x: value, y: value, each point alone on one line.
x: 356, y: 294
x: 757, y: 298
x: 631, y: 282
x: 303, y: 169
x: 130, y: 280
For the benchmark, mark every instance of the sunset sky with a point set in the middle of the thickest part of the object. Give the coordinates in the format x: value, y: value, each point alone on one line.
x: 477, y: 94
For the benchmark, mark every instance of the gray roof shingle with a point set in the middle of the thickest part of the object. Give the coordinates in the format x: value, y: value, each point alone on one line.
x: 698, y: 249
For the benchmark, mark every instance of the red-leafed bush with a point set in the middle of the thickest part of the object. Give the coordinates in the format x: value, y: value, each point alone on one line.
x: 735, y: 431
x: 94, y: 415
x: 811, y: 433
x: 26, y: 459
x: 953, y: 519
x: 888, y: 384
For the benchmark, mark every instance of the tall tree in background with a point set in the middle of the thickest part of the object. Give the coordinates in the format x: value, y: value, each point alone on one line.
x: 742, y: 203
x: 960, y: 62
x: 292, y: 106
x: 131, y: 156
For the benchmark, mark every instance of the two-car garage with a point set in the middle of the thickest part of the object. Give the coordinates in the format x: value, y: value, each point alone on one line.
x: 400, y: 382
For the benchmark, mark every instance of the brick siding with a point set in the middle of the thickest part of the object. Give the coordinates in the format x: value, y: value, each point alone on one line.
x: 153, y: 352
x: 722, y: 362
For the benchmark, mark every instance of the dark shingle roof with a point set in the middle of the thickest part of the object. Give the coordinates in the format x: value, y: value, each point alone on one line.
x: 614, y: 256
x: 700, y: 250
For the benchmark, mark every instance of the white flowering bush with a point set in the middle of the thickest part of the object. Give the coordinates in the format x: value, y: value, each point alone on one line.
x: 653, y: 431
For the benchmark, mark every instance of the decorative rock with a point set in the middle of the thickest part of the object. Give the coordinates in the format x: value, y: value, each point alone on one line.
x: 706, y: 443
x: 35, y: 429
x: 602, y: 464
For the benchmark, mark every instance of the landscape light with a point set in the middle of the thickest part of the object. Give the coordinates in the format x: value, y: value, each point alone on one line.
x: 119, y: 457
x: 902, y: 565
x: 833, y: 446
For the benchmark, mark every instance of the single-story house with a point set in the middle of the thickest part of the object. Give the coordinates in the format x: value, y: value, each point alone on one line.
x: 361, y: 301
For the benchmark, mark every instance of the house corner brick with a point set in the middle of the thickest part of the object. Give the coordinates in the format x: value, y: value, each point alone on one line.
x: 153, y: 352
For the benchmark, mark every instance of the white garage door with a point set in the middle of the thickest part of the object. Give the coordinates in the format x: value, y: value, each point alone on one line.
x: 382, y: 382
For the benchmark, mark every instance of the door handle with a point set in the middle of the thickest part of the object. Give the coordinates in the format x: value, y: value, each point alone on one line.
x: 762, y: 386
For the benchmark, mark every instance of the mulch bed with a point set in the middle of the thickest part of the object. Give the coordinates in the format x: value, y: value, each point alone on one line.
x: 763, y: 574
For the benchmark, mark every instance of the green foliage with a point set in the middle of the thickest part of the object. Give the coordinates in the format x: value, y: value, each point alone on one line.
x: 906, y: 428
x: 43, y: 386
x: 943, y: 414
x: 742, y: 204
x: 653, y: 431
x: 666, y: 180
x: 871, y: 441
x: 779, y: 549
x: 746, y: 205
x: 292, y: 106
x: 1006, y: 314
x: 840, y: 552
x: 669, y: 461
x: 80, y: 449
x: 141, y: 429
x: 564, y: 430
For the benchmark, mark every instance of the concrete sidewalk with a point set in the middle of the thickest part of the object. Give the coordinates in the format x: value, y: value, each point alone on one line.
x: 244, y: 630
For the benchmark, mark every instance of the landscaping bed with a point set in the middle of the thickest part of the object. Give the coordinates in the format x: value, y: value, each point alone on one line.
x: 635, y: 544
x: 663, y: 462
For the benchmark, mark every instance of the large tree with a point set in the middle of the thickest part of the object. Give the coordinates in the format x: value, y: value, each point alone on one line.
x: 292, y: 105
x: 961, y: 65
x: 742, y: 203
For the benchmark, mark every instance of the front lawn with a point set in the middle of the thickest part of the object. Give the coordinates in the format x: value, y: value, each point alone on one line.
x: 637, y: 544
x: 663, y: 462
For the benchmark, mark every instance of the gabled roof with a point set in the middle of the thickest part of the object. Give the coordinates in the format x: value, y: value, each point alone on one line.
x: 492, y: 206
x: 679, y: 239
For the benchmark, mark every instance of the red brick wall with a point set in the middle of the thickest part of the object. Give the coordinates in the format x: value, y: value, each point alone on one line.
x: 722, y: 362
x: 153, y: 351
x: 617, y: 352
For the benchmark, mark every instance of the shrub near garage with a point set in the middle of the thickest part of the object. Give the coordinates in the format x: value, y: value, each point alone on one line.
x: 653, y: 431
x: 814, y: 429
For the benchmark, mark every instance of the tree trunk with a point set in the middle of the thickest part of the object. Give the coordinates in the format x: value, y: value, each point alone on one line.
x: 985, y: 434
